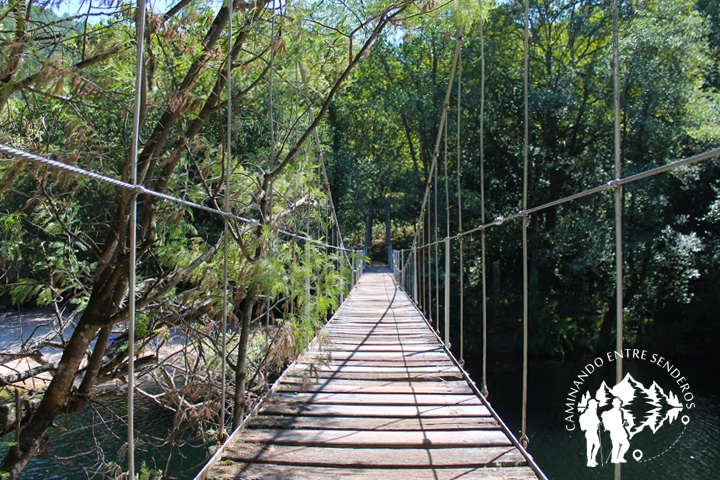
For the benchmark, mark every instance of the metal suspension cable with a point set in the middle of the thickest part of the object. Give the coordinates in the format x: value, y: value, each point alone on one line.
x: 460, y: 227
x: 459, y: 175
x: 618, y: 204
x: 226, y: 226
x: 482, y: 202
x: 524, y: 438
x: 446, y: 290
x: 138, y: 189
x: 609, y: 185
x: 424, y: 280
x: 429, y: 256
x: 139, y: 65
x: 435, y: 232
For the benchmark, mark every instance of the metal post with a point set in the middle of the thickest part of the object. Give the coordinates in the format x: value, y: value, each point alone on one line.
x: 447, y: 292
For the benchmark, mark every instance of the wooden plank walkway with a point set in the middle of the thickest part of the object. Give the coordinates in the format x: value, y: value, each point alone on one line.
x: 376, y: 396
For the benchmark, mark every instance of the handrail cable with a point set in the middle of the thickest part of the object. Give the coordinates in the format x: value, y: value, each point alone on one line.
x: 139, y: 65
x: 138, y: 189
x: 609, y: 185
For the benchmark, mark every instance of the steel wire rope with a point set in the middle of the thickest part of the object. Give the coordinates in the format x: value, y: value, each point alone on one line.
x: 435, y: 229
x: 618, y: 204
x: 460, y: 227
x: 526, y: 146
x: 139, y: 65
x: 141, y: 189
x: 430, y: 269
x: 228, y: 163
x: 609, y: 185
x: 446, y: 289
x: 482, y: 202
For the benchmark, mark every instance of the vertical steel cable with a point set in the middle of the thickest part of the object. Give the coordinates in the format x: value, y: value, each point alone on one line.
x: 447, y: 241
x: 415, y: 273
x: 618, y: 205
x: 140, y: 38
x: 437, y: 248
x: 460, y: 225
x: 482, y: 200
x: 228, y: 164
x: 524, y: 438
x: 424, y: 271
x: 426, y: 267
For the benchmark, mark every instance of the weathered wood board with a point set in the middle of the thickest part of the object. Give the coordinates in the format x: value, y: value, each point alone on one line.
x: 376, y: 397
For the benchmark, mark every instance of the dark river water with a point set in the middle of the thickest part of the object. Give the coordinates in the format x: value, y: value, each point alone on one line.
x: 73, y: 454
x: 686, y: 448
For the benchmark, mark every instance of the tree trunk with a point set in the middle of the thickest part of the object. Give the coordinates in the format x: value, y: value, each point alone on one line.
x: 241, y: 365
x: 53, y: 403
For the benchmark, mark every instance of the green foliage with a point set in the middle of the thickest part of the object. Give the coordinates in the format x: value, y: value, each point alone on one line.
x: 669, y: 110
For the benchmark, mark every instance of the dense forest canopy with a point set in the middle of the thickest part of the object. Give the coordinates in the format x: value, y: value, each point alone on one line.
x: 370, y: 78
x: 386, y: 125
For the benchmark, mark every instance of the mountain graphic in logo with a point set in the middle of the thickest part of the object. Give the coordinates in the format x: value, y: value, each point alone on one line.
x: 624, y: 410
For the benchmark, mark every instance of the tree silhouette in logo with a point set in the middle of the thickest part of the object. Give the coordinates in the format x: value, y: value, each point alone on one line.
x: 616, y: 409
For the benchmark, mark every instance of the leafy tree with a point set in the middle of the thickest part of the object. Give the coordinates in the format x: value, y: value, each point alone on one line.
x: 79, y: 81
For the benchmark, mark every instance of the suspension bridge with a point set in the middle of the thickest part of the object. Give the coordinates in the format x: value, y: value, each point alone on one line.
x: 379, y: 394
x: 376, y: 395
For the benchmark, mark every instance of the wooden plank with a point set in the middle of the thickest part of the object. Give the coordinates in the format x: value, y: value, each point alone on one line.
x: 402, y: 411
x: 297, y: 384
x: 396, y: 376
x: 374, y: 438
x: 375, y: 399
x: 377, y: 362
x: 378, y: 355
x: 337, y: 346
x: 372, y: 423
x: 374, y: 369
x: 375, y: 457
x: 281, y: 472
